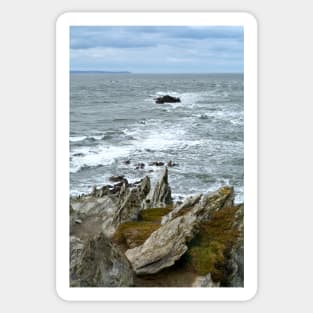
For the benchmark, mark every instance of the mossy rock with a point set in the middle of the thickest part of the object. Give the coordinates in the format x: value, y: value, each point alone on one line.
x: 153, y: 214
x: 133, y: 234
x: 208, y: 251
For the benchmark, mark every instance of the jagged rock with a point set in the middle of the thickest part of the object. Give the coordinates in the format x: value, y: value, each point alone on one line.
x: 164, y: 246
x: 203, y: 205
x: 161, y: 196
x: 166, y: 99
x: 99, y: 264
x: 205, y: 281
x: 186, y: 206
x: 130, y: 202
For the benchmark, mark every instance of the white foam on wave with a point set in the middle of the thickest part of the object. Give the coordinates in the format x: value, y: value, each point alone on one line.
x: 82, y: 138
x: 77, y: 138
x: 95, y: 156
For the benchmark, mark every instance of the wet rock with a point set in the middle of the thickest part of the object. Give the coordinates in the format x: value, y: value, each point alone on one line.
x: 116, y: 178
x: 164, y: 246
x: 156, y: 163
x: 166, y: 99
x: 98, y: 263
x: 127, y: 162
x: 161, y: 195
x: 171, y: 164
x: 139, y: 166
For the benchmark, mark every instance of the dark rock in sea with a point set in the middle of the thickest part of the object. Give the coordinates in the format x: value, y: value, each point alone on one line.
x: 171, y: 164
x: 98, y: 263
x: 139, y: 166
x: 156, y: 163
x: 166, y: 99
x: 116, y: 178
x: 127, y: 162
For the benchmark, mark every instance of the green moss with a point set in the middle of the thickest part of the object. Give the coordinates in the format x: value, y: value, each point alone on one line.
x: 153, y: 215
x: 132, y: 234
x: 208, y: 250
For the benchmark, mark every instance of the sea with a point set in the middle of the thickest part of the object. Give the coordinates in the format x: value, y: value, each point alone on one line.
x: 115, y: 124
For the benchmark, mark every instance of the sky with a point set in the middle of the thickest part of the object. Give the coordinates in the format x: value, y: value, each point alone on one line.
x: 157, y: 49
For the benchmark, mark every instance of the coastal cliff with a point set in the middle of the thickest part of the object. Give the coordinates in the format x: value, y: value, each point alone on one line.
x: 133, y: 235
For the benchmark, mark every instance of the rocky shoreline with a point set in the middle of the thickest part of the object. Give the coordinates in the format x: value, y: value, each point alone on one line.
x: 133, y: 235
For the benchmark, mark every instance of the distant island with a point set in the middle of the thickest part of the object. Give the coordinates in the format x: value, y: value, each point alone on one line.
x: 100, y: 72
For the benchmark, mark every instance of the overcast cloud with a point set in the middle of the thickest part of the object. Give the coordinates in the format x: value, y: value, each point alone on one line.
x: 157, y: 49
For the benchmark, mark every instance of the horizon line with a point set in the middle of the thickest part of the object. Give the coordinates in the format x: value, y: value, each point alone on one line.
x: 129, y: 72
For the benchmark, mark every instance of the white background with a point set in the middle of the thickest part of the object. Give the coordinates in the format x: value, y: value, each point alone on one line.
x: 27, y: 155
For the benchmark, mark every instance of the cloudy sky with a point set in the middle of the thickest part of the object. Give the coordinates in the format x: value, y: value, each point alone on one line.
x: 160, y: 49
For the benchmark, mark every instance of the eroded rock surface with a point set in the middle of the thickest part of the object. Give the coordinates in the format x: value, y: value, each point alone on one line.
x: 161, y: 195
x: 98, y: 263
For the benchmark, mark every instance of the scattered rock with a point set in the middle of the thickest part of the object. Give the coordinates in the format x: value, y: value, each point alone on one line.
x: 166, y: 99
x: 156, y: 163
x: 139, y: 166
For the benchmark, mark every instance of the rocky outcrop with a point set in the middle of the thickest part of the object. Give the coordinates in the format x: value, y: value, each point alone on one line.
x: 130, y: 233
x: 166, y: 99
x: 99, y: 264
x: 163, y: 247
x: 203, y: 205
x: 104, y: 213
x: 161, y: 195
x: 130, y: 202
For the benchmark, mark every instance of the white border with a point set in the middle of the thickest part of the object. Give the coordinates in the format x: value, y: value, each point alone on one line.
x: 62, y: 155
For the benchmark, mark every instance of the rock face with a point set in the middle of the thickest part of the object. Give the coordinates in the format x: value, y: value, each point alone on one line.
x: 166, y: 99
x: 161, y: 195
x: 99, y: 264
x: 104, y: 213
x: 163, y: 247
x: 235, y: 264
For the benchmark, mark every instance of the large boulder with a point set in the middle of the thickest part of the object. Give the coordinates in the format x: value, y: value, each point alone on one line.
x: 166, y: 99
x: 164, y: 246
x: 161, y: 195
x: 98, y: 263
